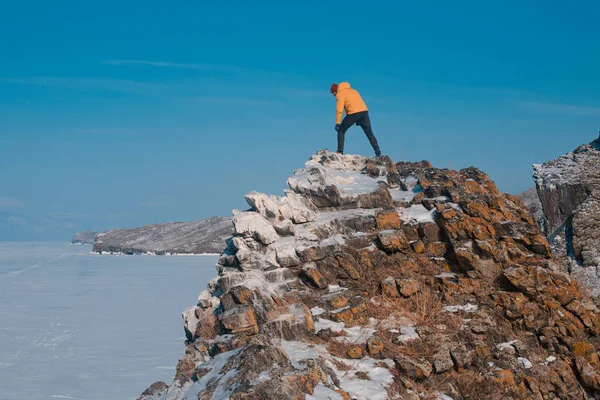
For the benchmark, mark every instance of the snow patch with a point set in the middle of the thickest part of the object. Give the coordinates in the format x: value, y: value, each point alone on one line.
x: 466, y: 308
x: 417, y: 213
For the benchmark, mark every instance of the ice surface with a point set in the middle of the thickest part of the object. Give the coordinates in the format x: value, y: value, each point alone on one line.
x: 79, y: 326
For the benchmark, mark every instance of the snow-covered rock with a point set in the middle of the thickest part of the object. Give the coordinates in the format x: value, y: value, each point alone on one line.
x: 255, y: 226
x: 341, y: 288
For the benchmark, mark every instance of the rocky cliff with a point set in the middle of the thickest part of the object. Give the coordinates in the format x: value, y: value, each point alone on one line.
x: 85, y: 237
x: 532, y: 201
x: 198, y: 237
x: 569, y: 191
x: 375, y: 280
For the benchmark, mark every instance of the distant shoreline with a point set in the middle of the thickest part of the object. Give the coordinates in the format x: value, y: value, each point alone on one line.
x: 118, y: 253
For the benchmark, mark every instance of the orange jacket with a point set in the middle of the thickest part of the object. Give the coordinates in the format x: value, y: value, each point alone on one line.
x: 348, y: 100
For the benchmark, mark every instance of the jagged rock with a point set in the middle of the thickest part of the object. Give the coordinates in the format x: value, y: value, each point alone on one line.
x: 355, y: 352
x: 355, y: 292
x: 430, y: 231
x: 375, y: 346
x: 442, y: 361
x: 285, y: 228
x: 154, y: 392
x: 240, y: 319
x: 292, y: 325
x: 416, y: 369
x: 393, y: 241
x: 287, y: 257
x: 569, y: 191
x: 388, y: 287
x: 314, y: 277
x: 292, y: 207
x: 588, y: 374
x: 190, y: 322
x: 387, y: 220
x: 253, y: 225
x: 461, y: 356
x: 407, y: 287
x: 348, y: 264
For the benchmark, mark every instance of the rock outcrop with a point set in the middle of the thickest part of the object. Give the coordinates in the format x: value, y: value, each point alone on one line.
x: 569, y: 190
x: 532, y: 201
x: 85, y: 237
x: 198, y: 237
x: 375, y: 280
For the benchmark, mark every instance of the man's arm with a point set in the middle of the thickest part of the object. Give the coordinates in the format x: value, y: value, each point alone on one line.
x: 339, y: 108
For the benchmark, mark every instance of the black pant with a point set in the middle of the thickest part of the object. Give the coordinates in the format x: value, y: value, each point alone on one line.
x: 361, y: 119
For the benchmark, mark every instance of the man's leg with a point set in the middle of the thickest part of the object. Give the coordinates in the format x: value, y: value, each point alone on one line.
x: 365, y: 123
x: 347, y: 122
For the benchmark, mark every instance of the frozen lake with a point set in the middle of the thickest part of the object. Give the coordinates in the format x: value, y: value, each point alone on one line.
x: 81, y: 326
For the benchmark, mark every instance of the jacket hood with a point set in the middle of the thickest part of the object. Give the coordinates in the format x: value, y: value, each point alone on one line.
x: 343, y: 86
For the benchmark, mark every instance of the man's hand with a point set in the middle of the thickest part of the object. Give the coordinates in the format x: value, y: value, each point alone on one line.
x: 337, y: 127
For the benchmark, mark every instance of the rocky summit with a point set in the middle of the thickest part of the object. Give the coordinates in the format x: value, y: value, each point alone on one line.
x: 375, y: 280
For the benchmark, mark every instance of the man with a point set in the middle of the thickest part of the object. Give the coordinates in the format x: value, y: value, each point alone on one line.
x: 348, y: 100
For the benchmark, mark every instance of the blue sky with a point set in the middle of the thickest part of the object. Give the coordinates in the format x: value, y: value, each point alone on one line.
x: 118, y: 114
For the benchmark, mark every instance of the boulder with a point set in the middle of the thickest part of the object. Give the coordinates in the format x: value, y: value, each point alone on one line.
x: 255, y: 226
x: 240, y: 319
x: 415, y: 368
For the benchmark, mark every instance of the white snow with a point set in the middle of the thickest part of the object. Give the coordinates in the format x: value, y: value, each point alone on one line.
x: 525, y: 363
x: 417, y: 213
x: 408, y: 333
x: 355, y: 183
x: 317, y: 310
x: 334, y: 240
x: 335, y: 288
x: 215, y: 365
x: 466, y: 308
x: 262, y: 377
x: 506, y: 346
x: 445, y: 275
x: 343, y: 214
x: 441, y: 396
x: 402, y: 195
x: 323, y: 323
x: 372, y: 389
x: 322, y: 392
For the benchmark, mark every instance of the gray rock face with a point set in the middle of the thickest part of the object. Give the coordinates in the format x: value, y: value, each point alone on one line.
x: 198, y: 237
x: 532, y: 201
x: 85, y: 237
x: 569, y: 191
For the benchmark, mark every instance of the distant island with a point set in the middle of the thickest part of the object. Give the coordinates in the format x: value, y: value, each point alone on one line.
x: 85, y: 237
x: 205, y: 236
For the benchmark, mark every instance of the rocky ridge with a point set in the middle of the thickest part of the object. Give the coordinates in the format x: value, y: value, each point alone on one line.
x: 569, y: 190
x: 375, y: 280
x: 198, y: 237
